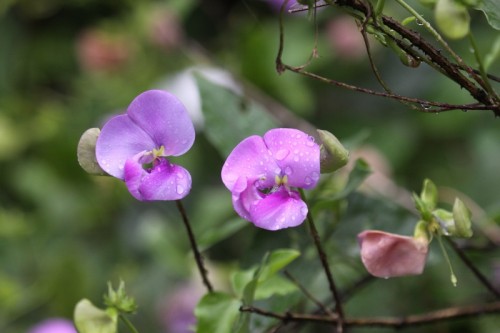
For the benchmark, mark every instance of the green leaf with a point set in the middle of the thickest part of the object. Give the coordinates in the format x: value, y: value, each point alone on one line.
x: 216, y: 313
x: 491, y: 8
x: 277, y: 260
x: 240, y: 279
x: 452, y: 19
x: 230, y: 118
x: 220, y: 232
x: 90, y: 319
x: 275, y: 285
x: 357, y: 176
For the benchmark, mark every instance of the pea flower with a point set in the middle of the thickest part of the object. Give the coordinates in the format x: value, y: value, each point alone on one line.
x: 134, y: 146
x: 389, y: 255
x: 54, y: 325
x: 263, y: 172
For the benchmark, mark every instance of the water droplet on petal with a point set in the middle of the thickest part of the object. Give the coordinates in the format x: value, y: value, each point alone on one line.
x: 296, y: 158
x: 180, y: 176
x: 308, y: 181
x: 288, y: 170
x: 282, y: 154
x: 315, y: 175
x: 180, y: 189
x: 303, y: 211
x: 277, y: 171
x: 310, y: 141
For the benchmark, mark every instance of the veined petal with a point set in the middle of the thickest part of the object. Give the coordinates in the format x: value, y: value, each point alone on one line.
x: 389, y: 255
x: 250, y: 159
x: 244, y: 195
x: 119, y: 140
x: 297, y: 155
x: 165, y: 181
x: 279, y: 210
x: 165, y: 119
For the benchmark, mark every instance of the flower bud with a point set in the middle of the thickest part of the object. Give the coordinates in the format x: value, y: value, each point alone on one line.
x: 429, y: 194
x: 452, y: 18
x: 90, y: 319
x: 462, y: 215
x: 333, y: 154
x: 446, y: 222
x: 86, y: 152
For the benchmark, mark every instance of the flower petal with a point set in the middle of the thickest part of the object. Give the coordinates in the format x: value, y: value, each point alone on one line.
x: 389, y: 255
x: 163, y: 116
x: 244, y: 196
x: 250, y: 159
x: 119, y: 140
x: 165, y: 181
x: 297, y: 155
x: 279, y: 210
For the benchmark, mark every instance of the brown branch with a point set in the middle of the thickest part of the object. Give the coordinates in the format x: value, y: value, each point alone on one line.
x: 197, y: 255
x: 392, y: 322
x: 473, y: 268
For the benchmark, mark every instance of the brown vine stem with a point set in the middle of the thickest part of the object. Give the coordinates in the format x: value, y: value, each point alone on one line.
x: 197, y: 255
x: 324, y: 262
x: 392, y: 322
x: 473, y: 268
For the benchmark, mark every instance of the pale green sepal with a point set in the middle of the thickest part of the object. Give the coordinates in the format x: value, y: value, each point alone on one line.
x: 119, y: 299
x: 462, y: 217
x: 333, y: 154
x: 90, y: 319
x: 421, y: 231
x: 429, y: 194
x: 452, y: 19
x: 446, y: 222
x: 86, y: 152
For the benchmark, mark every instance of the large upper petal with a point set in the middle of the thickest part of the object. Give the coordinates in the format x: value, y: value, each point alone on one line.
x: 165, y: 119
x: 119, y: 140
x: 297, y: 155
x: 165, y: 181
x: 388, y: 255
x: 252, y: 160
x: 279, y: 210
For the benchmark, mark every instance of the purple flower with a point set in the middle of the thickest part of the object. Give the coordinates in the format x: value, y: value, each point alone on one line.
x: 134, y: 146
x: 262, y: 172
x: 54, y: 325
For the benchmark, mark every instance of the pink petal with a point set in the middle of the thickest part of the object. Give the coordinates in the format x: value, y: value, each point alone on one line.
x: 390, y: 255
x: 119, y: 140
x: 250, y: 159
x: 296, y: 154
x: 244, y: 196
x: 165, y: 181
x: 54, y: 325
x: 279, y: 210
x: 165, y: 119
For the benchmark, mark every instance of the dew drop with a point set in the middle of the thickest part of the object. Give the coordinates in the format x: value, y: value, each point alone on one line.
x: 180, y: 176
x: 296, y: 158
x: 310, y: 141
x: 282, y: 154
x: 308, y: 181
x: 315, y: 175
x: 288, y: 170
x: 180, y: 189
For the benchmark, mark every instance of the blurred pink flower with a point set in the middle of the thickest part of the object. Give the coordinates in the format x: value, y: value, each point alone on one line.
x: 54, y: 325
x: 98, y: 51
x: 165, y: 29
x: 345, y: 38
x: 177, y: 312
x: 390, y: 255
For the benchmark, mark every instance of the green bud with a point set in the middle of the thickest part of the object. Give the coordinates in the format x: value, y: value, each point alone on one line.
x: 119, y: 299
x: 86, y: 152
x: 333, y: 154
x: 429, y: 194
x: 452, y: 18
x: 405, y: 58
x: 462, y: 217
x: 90, y: 319
x: 421, y: 231
x: 446, y: 222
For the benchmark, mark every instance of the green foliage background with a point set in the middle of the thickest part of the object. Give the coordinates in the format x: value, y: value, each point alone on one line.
x: 64, y: 234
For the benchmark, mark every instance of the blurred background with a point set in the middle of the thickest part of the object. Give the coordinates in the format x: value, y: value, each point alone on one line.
x: 67, y: 65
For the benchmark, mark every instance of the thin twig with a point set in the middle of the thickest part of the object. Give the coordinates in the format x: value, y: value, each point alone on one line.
x: 197, y: 255
x: 324, y: 262
x: 392, y: 322
x: 306, y: 292
x: 473, y: 268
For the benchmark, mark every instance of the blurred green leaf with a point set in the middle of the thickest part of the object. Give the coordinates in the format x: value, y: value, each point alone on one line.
x: 491, y: 8
x: 278, y: 260
x: 452, y: 19
x: 230, y: 118
x: 216, y: 313
x: 275, y: 285
x: 358, y: 174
